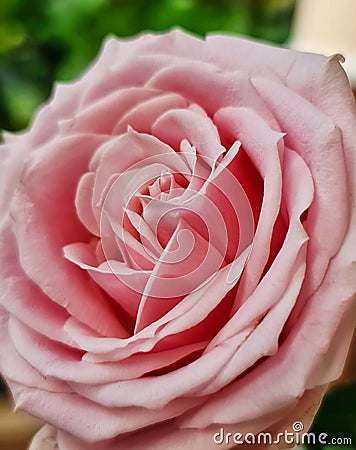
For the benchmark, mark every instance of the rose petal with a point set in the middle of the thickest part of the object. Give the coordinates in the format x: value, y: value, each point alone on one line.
x: 176, y: 125
x: 298, y: 195
x: 16, y: 370
x: 125, y: 285
x: 40, y: 236
x: 51, y: 359
x: 330, y: 313
x: 89, y: 421
x: 142, y: 117
x: 83, y: 203
x: 263, y: 145
x: 18, y: 294
x: 194, y: 79
x: 320, y: 148
x: 101, y: 116
x: 185, y: 316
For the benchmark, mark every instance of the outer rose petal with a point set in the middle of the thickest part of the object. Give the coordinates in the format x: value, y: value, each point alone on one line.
x: 32, y: 224
x: 45, y: 439
x: 11, y: 159
x: 320, y: 148
x: 173, y: 437
x: 323, y: 333
x: 18, y: 292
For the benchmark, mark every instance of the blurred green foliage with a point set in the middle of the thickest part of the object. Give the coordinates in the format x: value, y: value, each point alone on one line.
x: 44, y: 40
x: 337, y: 418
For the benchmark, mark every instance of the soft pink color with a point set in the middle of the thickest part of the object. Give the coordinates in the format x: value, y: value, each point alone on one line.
x: 178, y: 245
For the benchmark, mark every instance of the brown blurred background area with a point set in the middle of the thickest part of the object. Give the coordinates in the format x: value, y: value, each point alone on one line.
x: 16, y: 429
x: 46, y: 40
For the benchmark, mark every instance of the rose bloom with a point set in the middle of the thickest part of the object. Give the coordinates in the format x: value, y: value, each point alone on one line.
x: 177, y: 240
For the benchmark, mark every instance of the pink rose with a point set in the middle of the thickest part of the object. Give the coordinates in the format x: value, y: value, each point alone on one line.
x: 177, y: 238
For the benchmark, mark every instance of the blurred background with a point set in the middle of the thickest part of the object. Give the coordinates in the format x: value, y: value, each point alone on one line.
x: 46, y: 40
